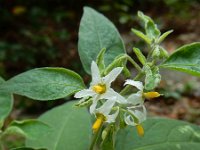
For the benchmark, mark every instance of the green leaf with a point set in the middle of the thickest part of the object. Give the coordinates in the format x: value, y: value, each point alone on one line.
x: 142, y: 36
x: 151, y: 29
x: 160, y: 134
x: 32, y: 129
x: 44, y: 83
x: 71, y: 129
x: 6, y: 104
x: 26, y: 148
x: 97, y: 32
x: 185, y: 59
x: 139, y: 55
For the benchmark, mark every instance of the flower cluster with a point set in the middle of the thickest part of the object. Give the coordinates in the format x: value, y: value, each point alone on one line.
x: 107, y: 103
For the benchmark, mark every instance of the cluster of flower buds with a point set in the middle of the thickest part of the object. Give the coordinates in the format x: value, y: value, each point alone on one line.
x: 107, y: 103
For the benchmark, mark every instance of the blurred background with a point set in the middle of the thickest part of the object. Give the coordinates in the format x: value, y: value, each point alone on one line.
x: 44, y: 33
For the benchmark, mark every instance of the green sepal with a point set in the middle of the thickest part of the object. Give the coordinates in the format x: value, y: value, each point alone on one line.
x: 152, y: 78
x: 164, y: 35
x: 141, y: 35
x: 108, y: 136
x: 100, y: 59
x: 139, y: 55
x: 119, y: 61
x: 156, y: 52
x: 163, y: 53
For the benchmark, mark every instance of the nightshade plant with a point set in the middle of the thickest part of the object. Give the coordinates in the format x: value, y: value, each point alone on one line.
x: 116, y: 119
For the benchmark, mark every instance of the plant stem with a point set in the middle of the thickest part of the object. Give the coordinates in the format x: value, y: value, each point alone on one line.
x: 134, y: 63
x: 126, y: 89
x: 94, y: 140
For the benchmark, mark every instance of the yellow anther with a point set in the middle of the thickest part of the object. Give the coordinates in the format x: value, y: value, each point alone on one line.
x: 18, y: 10
x: 140, y: 130
x: 150, y: 95
x: 99, y: 88
x: 99, y: 121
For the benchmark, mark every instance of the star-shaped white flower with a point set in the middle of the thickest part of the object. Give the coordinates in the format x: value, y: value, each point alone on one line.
x: 100, y: 87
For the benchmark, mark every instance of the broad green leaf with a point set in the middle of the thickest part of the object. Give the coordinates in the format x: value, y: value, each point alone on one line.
x: 31, y: 129
x: 6, y: 104
x: 27, y: 148
x: 44, y: 83
x: 71, y: 129
x: 160, y: 134
x: 142, y: 36
x: 97, y: 32
x: 185, y: 59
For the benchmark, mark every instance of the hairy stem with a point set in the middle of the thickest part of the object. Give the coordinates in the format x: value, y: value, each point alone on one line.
x: 134, y: 64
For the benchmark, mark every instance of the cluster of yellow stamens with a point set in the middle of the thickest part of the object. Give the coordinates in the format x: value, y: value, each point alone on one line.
x: 99, y: 88
x: 99, y: 121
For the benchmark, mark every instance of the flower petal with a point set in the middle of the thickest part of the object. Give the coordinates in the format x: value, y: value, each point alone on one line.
x: 112, y: 75
x: 129, y: 121
x: 94, y: 104
x: 112, y: 95
x: 106, y: 108
x: 111, y: 118
x: 136, y: 84
x: 136, y: 98
x: 95, y: 73
x: 139, y: 112
x: 84, y: 93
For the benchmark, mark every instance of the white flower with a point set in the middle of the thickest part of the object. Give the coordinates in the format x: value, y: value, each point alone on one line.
x: 103, y: 114
x: 135, y: 115
x: 136, y: 98
x: 106, y: 109
x: 100, y: 87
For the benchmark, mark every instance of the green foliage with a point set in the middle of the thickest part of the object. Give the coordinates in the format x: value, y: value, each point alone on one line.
x: 31, y: 129
x: 27, y: 148
x: 70, y: 129
x: 140, y: 56
x: 100, y: 59
x: 152, y: 78
x: 44, y: 83
x: 185, y: 59
x: 6, y: 103
x: 160, y: 134
x: 97, y: 32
